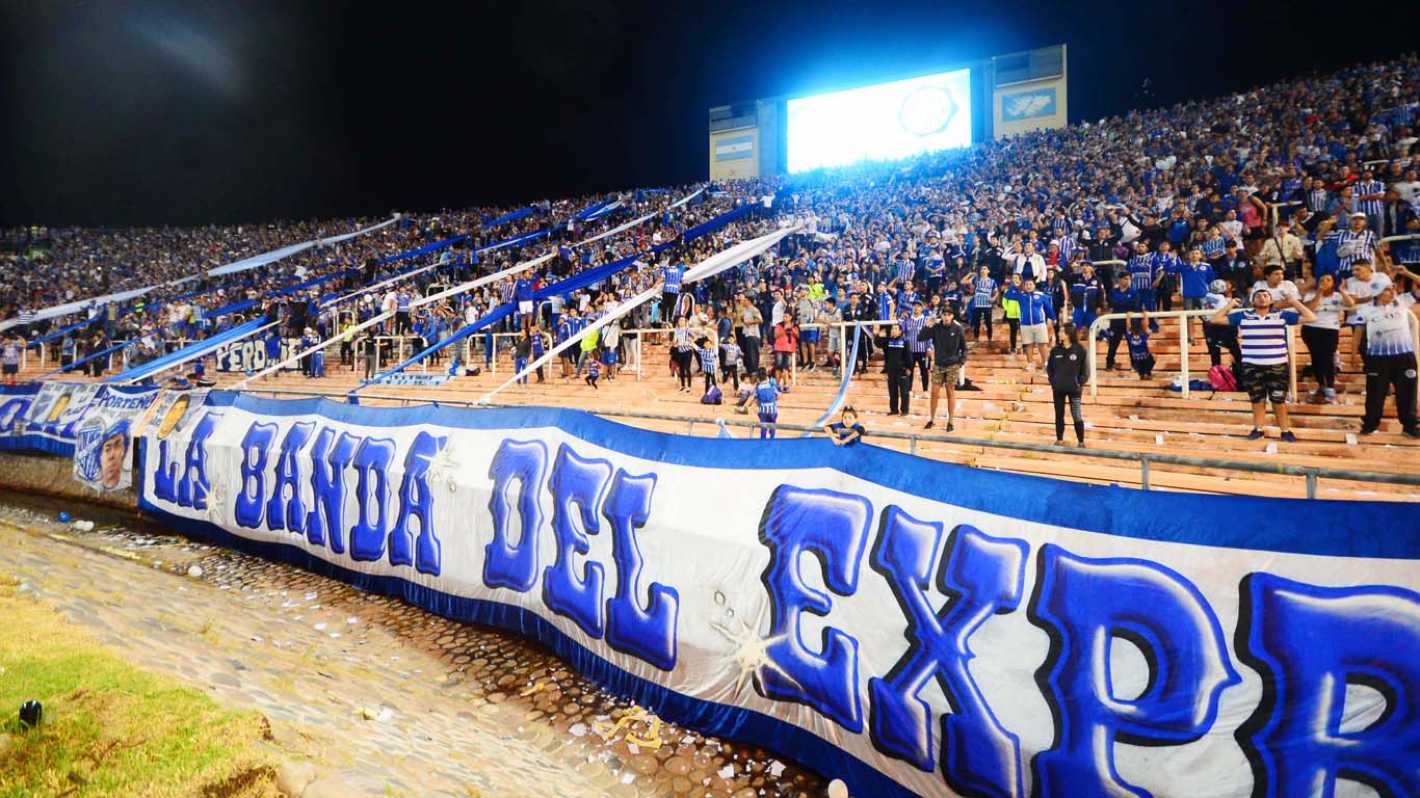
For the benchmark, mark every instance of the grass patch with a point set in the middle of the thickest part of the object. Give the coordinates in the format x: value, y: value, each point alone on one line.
x: 111, y: 729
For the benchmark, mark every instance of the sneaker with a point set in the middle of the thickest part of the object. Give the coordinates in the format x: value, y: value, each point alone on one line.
x: 1368, y: 430
x: 950, y: 427
x: 1289, y: 437
x: 1059, y: 441
x: 1329, y: 394
x: 1079, y: 444
x: 1255, y: 434
x: 1412, y: 433
x: 928, y: 425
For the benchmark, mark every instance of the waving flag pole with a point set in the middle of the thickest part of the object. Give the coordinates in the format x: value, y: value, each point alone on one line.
x: 389, y: 314
x: 454, y: 291
x: 205, y: 347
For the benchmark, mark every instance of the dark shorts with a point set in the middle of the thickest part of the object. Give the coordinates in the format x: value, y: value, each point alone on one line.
x: 1265, y: 383
x: 12, y: 368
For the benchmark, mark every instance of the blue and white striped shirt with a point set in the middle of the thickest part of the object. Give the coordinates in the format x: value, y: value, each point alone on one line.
x: 766, y: 395
x: 1317, y: 200
x: 1353, y: 246
x: 1370, y: 206
x: 1263, y: 338
x: 911, y: 328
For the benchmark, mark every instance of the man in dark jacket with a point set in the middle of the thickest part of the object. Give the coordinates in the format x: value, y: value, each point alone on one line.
x: 948, y: 341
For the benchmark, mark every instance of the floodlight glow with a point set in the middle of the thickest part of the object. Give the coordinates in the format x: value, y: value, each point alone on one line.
x: 880, y: 122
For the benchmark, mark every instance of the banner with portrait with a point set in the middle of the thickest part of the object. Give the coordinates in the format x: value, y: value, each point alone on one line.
x: 50, y: 421
x: 103, y: 437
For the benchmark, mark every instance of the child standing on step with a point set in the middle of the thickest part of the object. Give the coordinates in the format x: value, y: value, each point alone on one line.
x: 594, y: 371
x: 766, y: 396
x: 1138, y: 339
x: 730, y: 361
x: 709, y: 361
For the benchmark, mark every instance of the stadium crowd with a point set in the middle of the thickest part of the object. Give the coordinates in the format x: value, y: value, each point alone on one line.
x: 1257, y: 210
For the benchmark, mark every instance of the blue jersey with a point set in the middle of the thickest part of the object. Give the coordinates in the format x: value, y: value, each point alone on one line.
x: 905, y: 301
x: 952, y: 299
x: 1138, y: 346
x: 985, y: 289
x: 1085, y: 295
x: 1123, y: 301
x: 1036, y: 307
x: 522, y: 290
x: 1195, y: 278
x: 766, y: 395
x: 1165, y: 264
x: 672, y: 276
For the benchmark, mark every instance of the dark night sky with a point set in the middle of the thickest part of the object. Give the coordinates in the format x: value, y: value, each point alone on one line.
x: 142, y: 112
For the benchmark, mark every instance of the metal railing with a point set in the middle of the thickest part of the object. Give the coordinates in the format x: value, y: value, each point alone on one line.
x: 915, y: 440
x: 1092, y: 355
x: 492, y: 358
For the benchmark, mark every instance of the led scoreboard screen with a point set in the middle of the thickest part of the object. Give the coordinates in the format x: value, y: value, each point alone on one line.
x: 880, y: 122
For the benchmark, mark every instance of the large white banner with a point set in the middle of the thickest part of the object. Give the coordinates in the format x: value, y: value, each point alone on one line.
x: 906, y: 625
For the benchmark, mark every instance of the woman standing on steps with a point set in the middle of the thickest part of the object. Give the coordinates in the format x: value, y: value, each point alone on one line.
x: 1321, y: 335
x: 1066, y: 367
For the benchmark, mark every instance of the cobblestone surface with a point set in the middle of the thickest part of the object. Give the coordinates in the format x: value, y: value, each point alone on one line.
x: 385, y: 697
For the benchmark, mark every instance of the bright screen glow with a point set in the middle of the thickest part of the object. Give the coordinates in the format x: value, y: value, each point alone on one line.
x: 881, y: 122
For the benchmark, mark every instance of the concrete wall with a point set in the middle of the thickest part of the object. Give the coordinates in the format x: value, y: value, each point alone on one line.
x: 54, y: 476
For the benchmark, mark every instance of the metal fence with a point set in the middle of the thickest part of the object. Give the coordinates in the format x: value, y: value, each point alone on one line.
x: 915, y: 440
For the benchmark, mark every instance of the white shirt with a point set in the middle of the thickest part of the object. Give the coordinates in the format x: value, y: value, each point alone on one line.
x: 1387, y: 329
x: 1283, y: 290
x: 1232, y: 229
x: 1037, y: 265
x: 1365, y: 290
x: 1328, y: 312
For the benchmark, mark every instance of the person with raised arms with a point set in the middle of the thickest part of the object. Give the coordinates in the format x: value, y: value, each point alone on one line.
x: 1262, y: 335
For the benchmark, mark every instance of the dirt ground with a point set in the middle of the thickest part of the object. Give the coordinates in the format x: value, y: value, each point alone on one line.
x: 381, y: 697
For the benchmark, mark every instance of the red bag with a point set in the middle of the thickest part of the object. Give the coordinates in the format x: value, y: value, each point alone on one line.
x: 1222, y: 379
